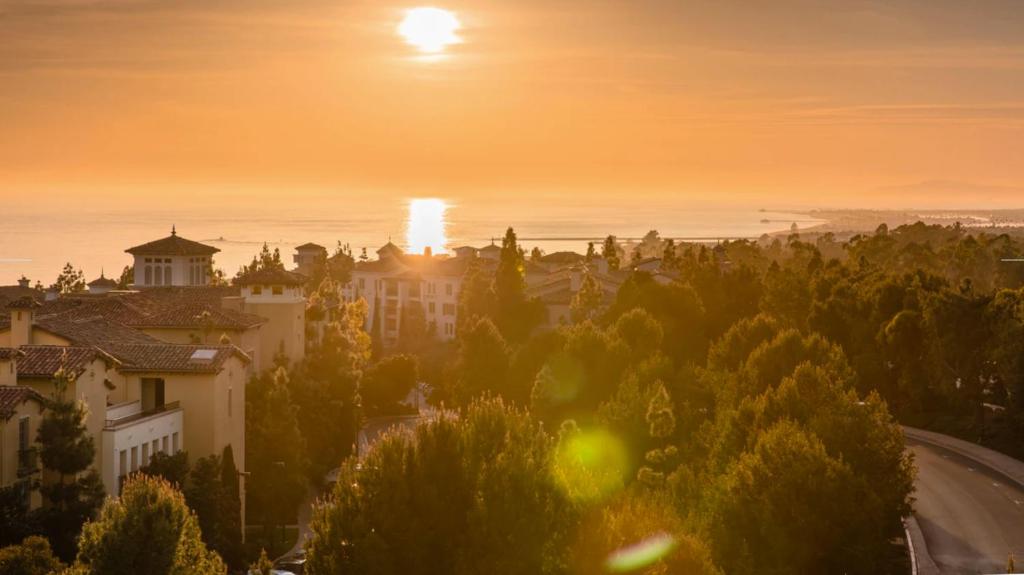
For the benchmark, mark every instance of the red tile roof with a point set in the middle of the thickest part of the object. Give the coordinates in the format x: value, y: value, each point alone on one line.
x: 310, y: 246
x: 170, y: 358
x: 172, y: 245
x: 192, y: 316
x: 11, y: 396
x: 271, y: 276
x: 42, y: 361
x: 23, y: 302
x: 9, y: 353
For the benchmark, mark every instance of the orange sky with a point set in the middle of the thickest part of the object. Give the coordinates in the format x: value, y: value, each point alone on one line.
x: 903, y: 103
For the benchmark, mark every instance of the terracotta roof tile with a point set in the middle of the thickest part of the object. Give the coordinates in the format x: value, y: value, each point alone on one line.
x: 9, y: 353
x: 171, y: 358
x: 172, y: 245
x: 42, y: 361
x: 11, y: 396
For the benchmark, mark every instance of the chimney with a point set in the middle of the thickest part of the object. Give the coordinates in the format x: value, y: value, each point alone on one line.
x: 23, y: 282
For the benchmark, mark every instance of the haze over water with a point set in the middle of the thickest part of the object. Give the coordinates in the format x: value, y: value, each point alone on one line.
x: 95, y: 239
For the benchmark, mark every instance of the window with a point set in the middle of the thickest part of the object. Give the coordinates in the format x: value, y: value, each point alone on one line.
x: 431, y: 307
x: 23, y: 434
x: 122, y: 468
x: 149, y: 260
x: 277, y: 290
x: 158, y: 278
x: 135, y: 459
x: 362, y: 283
x: 167, y: 275
x: 156, y: 446
x: 149, y: 276
x: 449, y: 329
x: 448, y: 309
x: 145, y: 454
x: 174, y: 442
x: 192, y: 275
x: 257, y: 290
x: 447, y: 289
x: 163, y: 446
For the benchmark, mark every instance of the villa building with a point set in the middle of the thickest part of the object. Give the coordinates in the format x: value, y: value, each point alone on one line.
x: 21, y: 410
x: 172, y: 261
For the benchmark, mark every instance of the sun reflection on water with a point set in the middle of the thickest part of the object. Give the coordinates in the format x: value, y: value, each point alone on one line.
x: 425, y: 226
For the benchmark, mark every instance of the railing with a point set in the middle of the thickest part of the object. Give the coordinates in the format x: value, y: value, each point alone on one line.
x: 172, y: 406
x: 28, y: 461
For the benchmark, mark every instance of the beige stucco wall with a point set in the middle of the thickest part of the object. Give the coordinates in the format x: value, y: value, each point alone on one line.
x: 9, y: 444
x: 89, y: 389
x: 286, y: 325
x: 8, y: 372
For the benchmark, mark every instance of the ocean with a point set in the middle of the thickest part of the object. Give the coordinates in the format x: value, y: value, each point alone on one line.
x: 37, y: 243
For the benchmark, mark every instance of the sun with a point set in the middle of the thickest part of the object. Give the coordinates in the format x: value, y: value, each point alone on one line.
x: 430, y: 29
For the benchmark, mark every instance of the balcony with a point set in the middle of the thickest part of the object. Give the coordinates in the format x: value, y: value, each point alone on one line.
x: 128, y: 413
x: 28, y: 462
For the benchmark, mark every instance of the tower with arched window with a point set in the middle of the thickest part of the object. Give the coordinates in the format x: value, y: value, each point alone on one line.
x: 172, y: 261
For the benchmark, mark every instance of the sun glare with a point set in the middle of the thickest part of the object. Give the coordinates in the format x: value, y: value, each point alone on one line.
x: 425, y: 227
x: 430, y: 29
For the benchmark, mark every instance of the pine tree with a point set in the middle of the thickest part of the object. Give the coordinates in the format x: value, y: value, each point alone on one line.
x: 148, y: 529
x: 275, y: 452
x: 610, y: 253
x: 590, y: 252
x: 67, y: 451
x: 231, y: 510
x: 587, y: 302
x: 32, y: 557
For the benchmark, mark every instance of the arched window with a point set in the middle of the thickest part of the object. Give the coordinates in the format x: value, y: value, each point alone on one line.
x: 158, y: 278
x: 167, y: 275
x: 149, y: 275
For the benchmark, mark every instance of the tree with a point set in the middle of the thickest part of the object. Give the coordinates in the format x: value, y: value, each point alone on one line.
x: 608, y: 540
x: 413, y: 332
x: 67, y: 451
x: 476, y: 494
x: 204, y: 494
x: 70, y: 280
x: 172, y: 468
x: 514, y: 315
x: 610, y: 253
x: 668, y: 256
x: 536, y: 254
x: 32, y: 557
x: 148, y: 529
x: 782, y: 507
x: 127, y: 278
x: 275, y: 452
x: 482, y: 363
x: 388, y: 383
x: 263, y: 565
x: 230, y: 539
x: 588, y: 300
x: 16, y: 522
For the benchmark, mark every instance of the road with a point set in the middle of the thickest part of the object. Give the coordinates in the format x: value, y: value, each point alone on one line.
x: 971, y: 517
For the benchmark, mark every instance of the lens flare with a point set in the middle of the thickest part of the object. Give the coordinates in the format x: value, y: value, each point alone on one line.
x: 641, y: 555
x: 591, y: 465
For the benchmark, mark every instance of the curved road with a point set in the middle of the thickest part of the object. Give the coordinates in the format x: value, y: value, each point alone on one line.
x: 971, y: 517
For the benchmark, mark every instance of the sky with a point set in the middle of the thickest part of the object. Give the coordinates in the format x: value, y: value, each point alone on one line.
x: 903, y: 103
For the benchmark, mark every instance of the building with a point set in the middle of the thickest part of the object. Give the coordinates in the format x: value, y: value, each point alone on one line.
x: 396, y: 281
x: 277, y: 295
x: 172, y: 261
x: 307, y: 257
x: 21, y: 410
x: 101, y: 285
x: 144, y: 395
